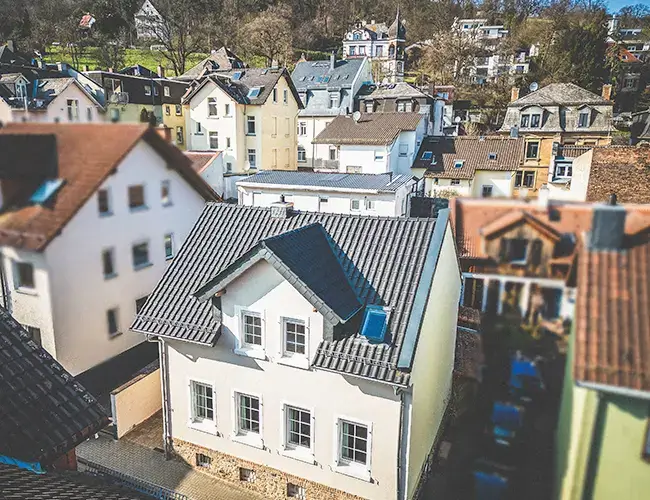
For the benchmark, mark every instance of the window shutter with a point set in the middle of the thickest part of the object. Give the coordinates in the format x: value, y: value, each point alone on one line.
x: 536, y: 252
x: 504, y: 247
x: 312, y: 436
x: 369, y: 450
x: 285, y: 428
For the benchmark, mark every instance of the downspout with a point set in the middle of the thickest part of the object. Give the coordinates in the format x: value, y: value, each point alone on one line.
x: 403, y: 444
x: 168, y: 444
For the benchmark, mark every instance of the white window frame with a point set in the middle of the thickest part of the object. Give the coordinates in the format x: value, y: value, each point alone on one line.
x: 352, y: 209
x: 296, y: 360
x: 147, y: 90
x: 580, y: 115
x: 18, y: 286
x: 194, y: 422
x: 172, y: 246
x: 242, y: 348
x: 248, y: 158
x: 166, y: 91
x: 73, y: 110
x: 256, y: 440
x: 149, y: 263
x: 354, y: 469
x: 490, y: 188
x: 302, y: 129
x: 166, y: 184
x: 213, y: 105
x: 213, y: 134
x: 226, y: 109
x: 323, y: 201
x: 401, y: 150
x: 275, y: 95
x: 370, y: 205
x: 297, y: 452
x: 285, y: 97
x: 250, y: 119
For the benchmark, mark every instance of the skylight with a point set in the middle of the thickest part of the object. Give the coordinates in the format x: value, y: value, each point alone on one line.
x: 254, y: 92
x: 237, y: 75
x: 459, y: 163
x: 375, y: 323
x: 492, y: 156
x: 46, y: 190
x: 427, y: 155
x: 326, y: 79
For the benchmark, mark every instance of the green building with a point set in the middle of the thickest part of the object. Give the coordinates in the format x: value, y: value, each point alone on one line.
x: 602, y: 441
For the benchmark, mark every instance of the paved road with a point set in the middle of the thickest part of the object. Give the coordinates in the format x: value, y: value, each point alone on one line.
x: 144, y: 463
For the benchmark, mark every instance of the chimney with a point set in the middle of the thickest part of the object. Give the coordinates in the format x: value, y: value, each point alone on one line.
x: 607, y: 92
x: 607, y: 226
x: 332, y: 60
x: 110, y: 70
x: 161, y: 71
x: 275, y: 64
x: 514, y: 94
x: 165, y: 132
x: 85, y: 68
x: 281, y: 209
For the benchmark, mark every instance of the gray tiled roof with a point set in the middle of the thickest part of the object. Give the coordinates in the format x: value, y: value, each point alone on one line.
x: 383, y: 259
x: 220, y: 60
x: 473, y: 151
x: 372, y: 128
x: 20, y: 484
x: 44, y: 412
x: 398, y: 90
x: 383, y: 183
x: 306, y: 74
x: 306, y: 258
x: 563, y: 94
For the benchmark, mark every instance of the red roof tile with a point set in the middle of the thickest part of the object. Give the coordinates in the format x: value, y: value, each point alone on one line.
x: 624, y: 170
x: 87, y: 154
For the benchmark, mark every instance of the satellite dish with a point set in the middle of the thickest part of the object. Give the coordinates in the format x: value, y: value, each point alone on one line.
x: 457, y: 119
x: 356, y: 116
x: 533, y: 86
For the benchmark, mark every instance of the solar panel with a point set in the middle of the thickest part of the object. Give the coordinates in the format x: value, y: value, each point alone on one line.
x: 236, y: 75
x: 46, y: 190
x: 375, y: 323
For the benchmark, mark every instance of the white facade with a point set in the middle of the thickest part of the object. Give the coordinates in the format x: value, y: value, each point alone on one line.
x: 339, y: 201
x: 71, y: 106
x: 402, y: 425
x: 71, y: 297
x: 486, y: 183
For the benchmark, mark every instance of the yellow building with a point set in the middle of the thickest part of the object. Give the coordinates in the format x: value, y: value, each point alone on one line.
x: 248, y: 114
x: 558, y: 122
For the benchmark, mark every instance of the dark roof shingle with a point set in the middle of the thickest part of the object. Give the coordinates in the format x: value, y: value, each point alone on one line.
x: 385, y: 183
x: 372, y: 128
x: 382, y: 257
x: 44, y: 412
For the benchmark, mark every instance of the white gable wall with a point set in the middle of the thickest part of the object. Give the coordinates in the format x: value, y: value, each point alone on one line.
x: 501, y: 182
x: 80, y: 294
x: 327, y: 395
x: 57, y: 110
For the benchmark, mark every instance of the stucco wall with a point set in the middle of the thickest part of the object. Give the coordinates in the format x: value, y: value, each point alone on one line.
x: 327, y: 395
x: 58, y: 109
x: 136, y: 401
x: 431, y: 375
x: 462, y: 189
x: 364, y: 157
x: 80, y: 294
x: 501, y: 183
x: 283, y: 137
x: 388, y: 204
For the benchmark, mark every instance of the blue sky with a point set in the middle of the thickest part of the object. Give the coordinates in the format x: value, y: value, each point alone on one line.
x: 615, y: 5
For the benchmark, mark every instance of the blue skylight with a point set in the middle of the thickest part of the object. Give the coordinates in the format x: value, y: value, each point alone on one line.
x: 254, y: 92
x: 427, y: 155
x: 46, y: 190
x: 375, y: 323
x: 236, y: 75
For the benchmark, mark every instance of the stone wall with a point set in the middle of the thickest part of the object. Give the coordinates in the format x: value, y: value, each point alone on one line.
x: 271, y: 483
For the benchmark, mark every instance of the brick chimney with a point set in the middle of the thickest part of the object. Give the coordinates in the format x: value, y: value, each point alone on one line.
x: 281, y: 209
x: 514, y: 94
x: 607, y: 92
x: 165, y: 132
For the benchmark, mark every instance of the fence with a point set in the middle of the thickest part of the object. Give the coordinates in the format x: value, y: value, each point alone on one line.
x: 134, y: 483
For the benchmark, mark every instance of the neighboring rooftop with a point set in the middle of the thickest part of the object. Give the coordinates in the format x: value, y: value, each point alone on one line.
x: 79, y: 157
x: 45, y: 412
x: 201, y: 159
x: 398, y: 90
x: 624, y: 170
x: 382, y: 183
x: 560, y: 94
x: 472, y: 218
x: 222, y: 59
x: 612, y: 331
x: 310, y: 75
x: 225, y: 233
x: 19, y: 484
x: 460, y: 157
x: 372, y: 128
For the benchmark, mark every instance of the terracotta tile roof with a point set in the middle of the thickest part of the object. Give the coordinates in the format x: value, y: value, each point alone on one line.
x: 372, y: 128
x: 201, y: 159
x: 514, y: 217
x: 624, y: 170
x: 470, y: 216
x: 612, y: 332
x: 86, y: 156
x: 475, y: 153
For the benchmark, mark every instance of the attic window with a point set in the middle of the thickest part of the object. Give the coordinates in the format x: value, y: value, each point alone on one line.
x: 459, y: 163
x: 236, y: 75
x: 254, y: 92
x: 375, y: 323
x: 492, y: 156
x: 326, y: 79
x: 46, y: 191
x: 427, y: 155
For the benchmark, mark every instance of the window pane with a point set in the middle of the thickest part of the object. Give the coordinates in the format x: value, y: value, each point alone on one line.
x: 354, y: 442
x: 165, y: 193
x: 298, y: 427
x: 102, y: 201
x: 295, y: 338
x: 107, y: 261
x: 169, y: 246
x: 136, y: 196
x: 203, y: 404
x: 249, y: 414
x: 111, y: 317
x: 25, y: 273
x: 140, y: 254
x: 252, y: 330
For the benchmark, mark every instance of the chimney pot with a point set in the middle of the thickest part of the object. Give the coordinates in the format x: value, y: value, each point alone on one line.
x: 281, y: 209
x: 607, y: 92
x: 514, y: 94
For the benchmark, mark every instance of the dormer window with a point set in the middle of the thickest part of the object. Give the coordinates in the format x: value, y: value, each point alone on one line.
x: 459, y: 163
x: 334, y: 100
x: 254, y: 92
x: 583, y: 119
x: 375, y: 323
x: 21, y: 90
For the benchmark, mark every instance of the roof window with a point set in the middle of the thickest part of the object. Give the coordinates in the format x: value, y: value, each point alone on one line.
x: 459, y: 163
x: 254, y: 92
x: 46, y: 191
x: 427, y: 155
x: 375, y: 323
x: 492, y: 156
x: 237, y: 75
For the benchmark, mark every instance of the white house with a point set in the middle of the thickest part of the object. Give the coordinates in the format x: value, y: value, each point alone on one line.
x: 296, y: 362
x: 474, y: 166
x: 372, y: 143
x: 91, y: 216
x: 326, y: 89
x: 247, y: 114
x: 365, y: 194
x: 53, y: 100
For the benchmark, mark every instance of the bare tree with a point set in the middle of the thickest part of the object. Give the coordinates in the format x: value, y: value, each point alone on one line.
x: 180, y: 29
x: 270, y: 35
